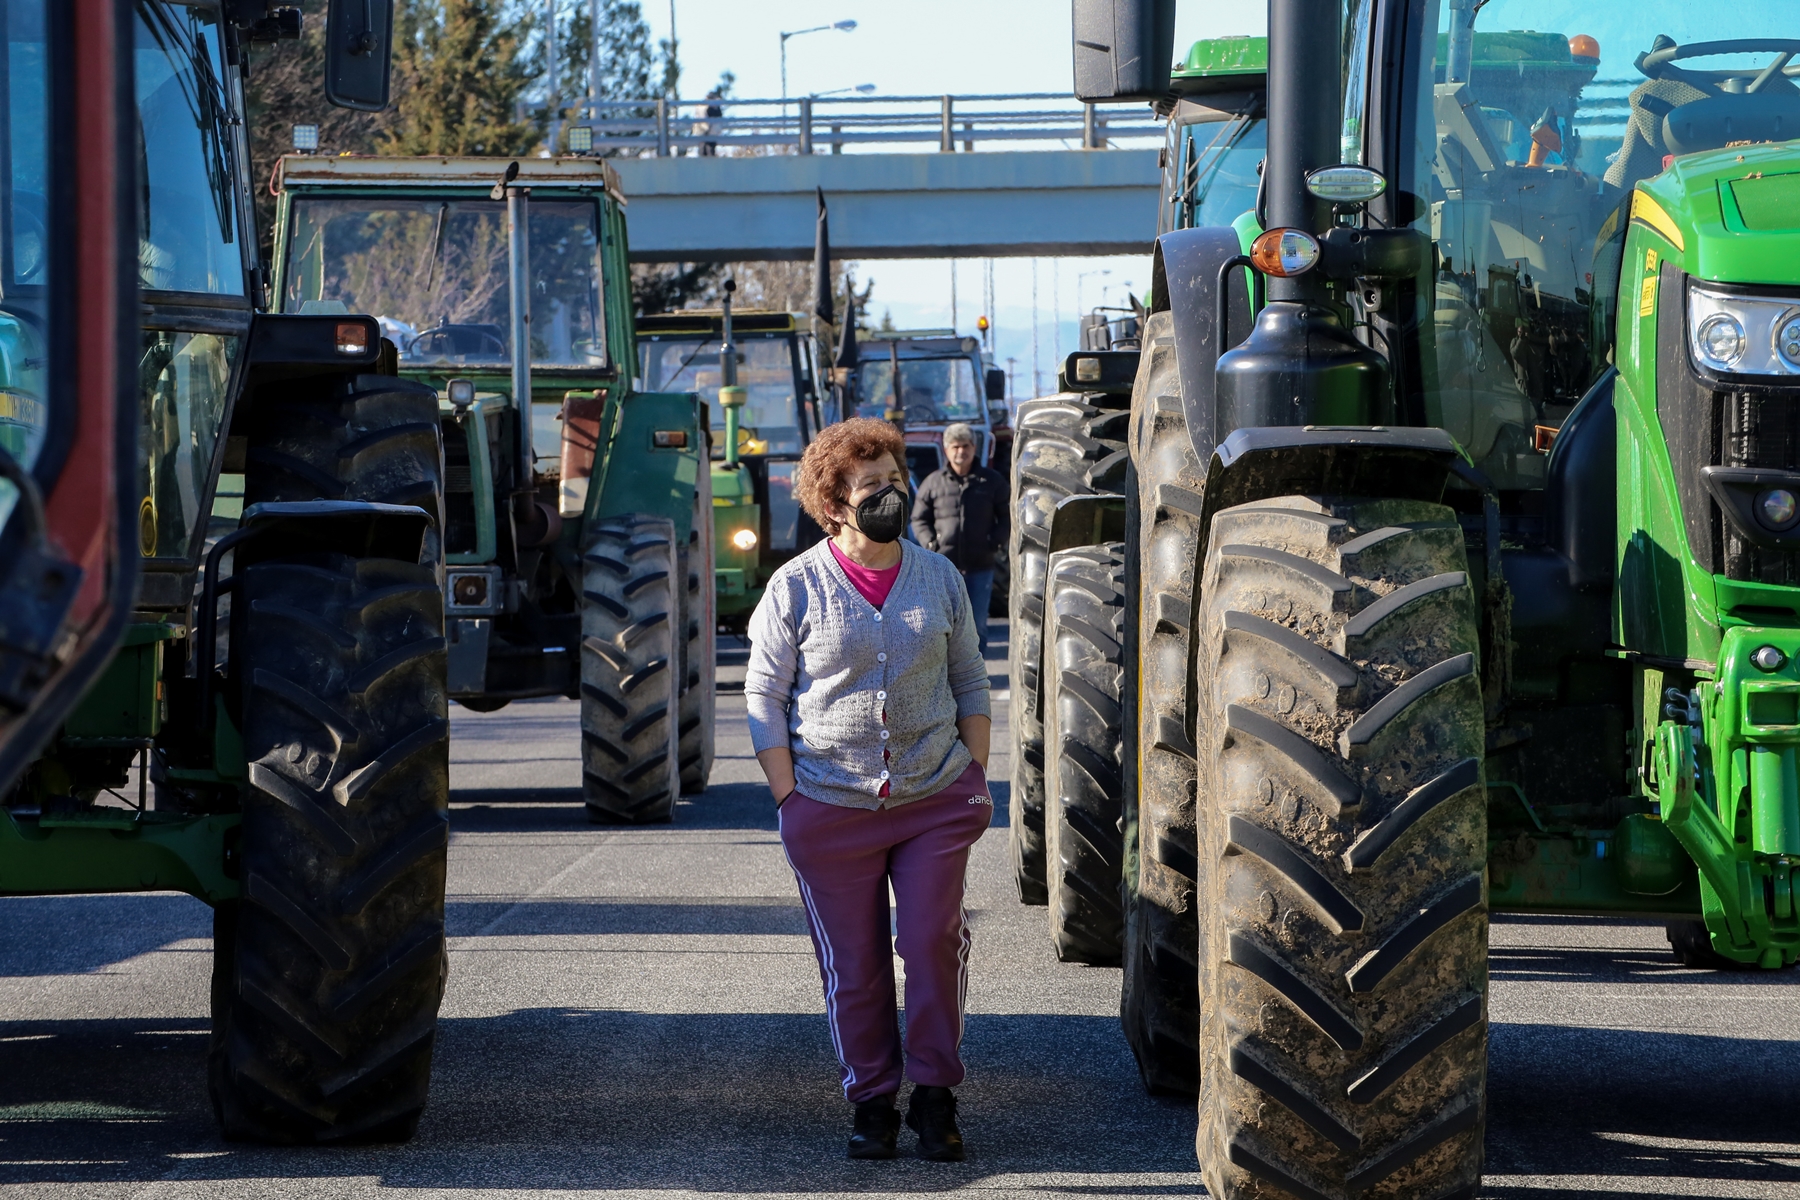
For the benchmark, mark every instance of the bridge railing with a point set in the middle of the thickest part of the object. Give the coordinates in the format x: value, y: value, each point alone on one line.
x: 827, y: 124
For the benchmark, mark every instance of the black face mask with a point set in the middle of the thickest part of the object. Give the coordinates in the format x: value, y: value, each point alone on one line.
x: 882, y: 517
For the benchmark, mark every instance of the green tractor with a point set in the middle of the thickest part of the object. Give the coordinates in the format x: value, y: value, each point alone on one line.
x: 576, y: 540
x: 260, y: 721
x: 1443, y: 559
x: 757, y: 373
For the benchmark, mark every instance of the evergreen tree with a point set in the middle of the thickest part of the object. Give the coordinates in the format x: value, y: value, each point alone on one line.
x: 460, y: 68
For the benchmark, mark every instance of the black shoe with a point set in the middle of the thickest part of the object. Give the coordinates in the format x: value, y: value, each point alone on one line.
x: 932, y: 1115
x: 877, y: 1128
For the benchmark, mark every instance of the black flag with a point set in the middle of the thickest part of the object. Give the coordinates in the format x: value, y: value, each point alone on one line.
x: 846, y: 351
x: 822, y: 308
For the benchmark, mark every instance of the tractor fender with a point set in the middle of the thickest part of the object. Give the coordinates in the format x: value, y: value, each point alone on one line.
x: 1087, y: 520
x: 360, y: 528
x: 1285, y: 460
x: 1184, y: 281
x: 1581, y: 504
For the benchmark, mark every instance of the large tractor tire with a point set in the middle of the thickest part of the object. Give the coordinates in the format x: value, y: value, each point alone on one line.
x: 631, y: 591
x: 1063, y: 447
x: 1342, y: 838
x: 328, y: 973
x: 699, y: 657
x: 369, y: 437
x: 1157, y: 1003
x: 1084, y: 633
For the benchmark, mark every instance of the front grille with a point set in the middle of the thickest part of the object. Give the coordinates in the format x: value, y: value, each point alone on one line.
x: 1706, y: 426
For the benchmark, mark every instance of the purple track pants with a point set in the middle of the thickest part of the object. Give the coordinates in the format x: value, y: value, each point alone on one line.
x: 843, y: 859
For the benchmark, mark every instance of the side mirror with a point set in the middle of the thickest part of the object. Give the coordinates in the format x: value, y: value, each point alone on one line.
x: 359, y: 49
x: 997, y: 414
x: 996, y: 384
x: 1124, y: 49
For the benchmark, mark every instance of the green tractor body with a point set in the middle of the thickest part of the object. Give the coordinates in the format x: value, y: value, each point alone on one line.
x: 271, y: 734
x: 549, y: 502
x: 757, y: 522
x: 1451, y: 562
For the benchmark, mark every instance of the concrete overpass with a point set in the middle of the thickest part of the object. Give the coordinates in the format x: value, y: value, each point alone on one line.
x: 892, y: 205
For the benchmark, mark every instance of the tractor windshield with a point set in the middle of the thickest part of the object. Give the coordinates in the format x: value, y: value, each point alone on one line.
x: 770, y: 419
x: 187, y: 208
x: 435, y: 273
x: 933, y: 391
x: 1532, y: 121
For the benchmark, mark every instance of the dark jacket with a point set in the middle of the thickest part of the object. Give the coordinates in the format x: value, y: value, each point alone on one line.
x: 962, y: 517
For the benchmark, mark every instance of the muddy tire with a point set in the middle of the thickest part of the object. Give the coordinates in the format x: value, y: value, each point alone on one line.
x: 1063, y: 447
x: 631, y: 588
x: 1342, y: 844
x: 1084, y: 632
x: 1158, y: 1003
x: 328, y: 972
x: 699, y: 620
x: 366, y: 437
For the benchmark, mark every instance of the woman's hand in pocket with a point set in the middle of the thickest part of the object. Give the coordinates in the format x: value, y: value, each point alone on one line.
x: 778, y: 768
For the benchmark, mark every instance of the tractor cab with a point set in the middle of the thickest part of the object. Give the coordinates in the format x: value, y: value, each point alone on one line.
x: 758, y: 522
x: 925, y: 381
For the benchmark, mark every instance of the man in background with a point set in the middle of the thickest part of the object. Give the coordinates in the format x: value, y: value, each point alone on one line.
x: 961, y: 511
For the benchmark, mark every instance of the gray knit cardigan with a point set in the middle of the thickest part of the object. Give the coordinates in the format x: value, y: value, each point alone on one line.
x: 824, y: 664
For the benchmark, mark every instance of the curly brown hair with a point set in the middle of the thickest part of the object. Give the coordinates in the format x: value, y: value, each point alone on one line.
x: 820, y: 481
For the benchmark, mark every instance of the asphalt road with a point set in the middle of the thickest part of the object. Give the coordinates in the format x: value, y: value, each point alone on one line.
x: 637, y: 1013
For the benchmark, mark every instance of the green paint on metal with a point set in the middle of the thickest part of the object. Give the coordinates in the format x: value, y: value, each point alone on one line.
x: 1212, y: 57
x: 1733, y: 799
x: 1703, y: 197
x: 474, y: 426
x: 632, y: 475
x: 123, y: 710
x: 118, y: 851
x: 1576, y: 872
x: 1767, y: 203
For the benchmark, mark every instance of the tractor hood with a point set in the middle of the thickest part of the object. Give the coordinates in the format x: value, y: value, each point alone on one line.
x: 1733, y: 214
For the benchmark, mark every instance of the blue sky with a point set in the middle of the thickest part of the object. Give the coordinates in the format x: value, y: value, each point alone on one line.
x: 929, y: 47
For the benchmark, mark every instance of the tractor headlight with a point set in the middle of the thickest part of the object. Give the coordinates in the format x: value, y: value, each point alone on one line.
x: 1720, y: 340
x: 1743, y: 334
x: 744, y: 539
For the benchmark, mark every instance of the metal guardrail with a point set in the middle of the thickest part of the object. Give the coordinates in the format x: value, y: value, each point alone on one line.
x: 808, y: 124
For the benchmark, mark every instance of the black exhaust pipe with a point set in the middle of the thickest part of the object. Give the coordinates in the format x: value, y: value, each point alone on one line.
x: 1300, y: 366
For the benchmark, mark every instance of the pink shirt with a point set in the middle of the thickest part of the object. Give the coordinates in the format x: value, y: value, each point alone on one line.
x: 873, y: 585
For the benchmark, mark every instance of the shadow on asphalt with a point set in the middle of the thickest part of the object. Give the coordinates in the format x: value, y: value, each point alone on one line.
x: 570, y: 1099
x: 1581, y: 1101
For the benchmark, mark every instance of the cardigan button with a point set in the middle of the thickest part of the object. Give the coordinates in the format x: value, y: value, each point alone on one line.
x: 882, y: 657
x: 884, y: 774
x: 878, y: 616
x: 881, y: 695
x: 884, y: 735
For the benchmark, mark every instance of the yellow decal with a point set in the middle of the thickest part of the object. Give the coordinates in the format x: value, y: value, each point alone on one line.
x: 1644, y: 209
x: 1647, y: 293
x: 17, y: 408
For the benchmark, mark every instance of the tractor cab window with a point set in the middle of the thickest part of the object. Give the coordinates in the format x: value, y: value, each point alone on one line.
x: 1216, y: 170
x: 189, y: 231
x: 436, y: 274
x: 769, y: 422
x: 933, y: 391
x: 25, y: 279
x: 1533, y: 120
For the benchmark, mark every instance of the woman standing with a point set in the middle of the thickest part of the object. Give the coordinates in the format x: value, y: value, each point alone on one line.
x: 868, y: 705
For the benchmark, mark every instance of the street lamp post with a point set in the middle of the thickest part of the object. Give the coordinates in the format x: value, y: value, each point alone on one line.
x: 844, y: 26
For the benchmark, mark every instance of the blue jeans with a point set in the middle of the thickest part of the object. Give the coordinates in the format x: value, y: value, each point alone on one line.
x: 981, y: 592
